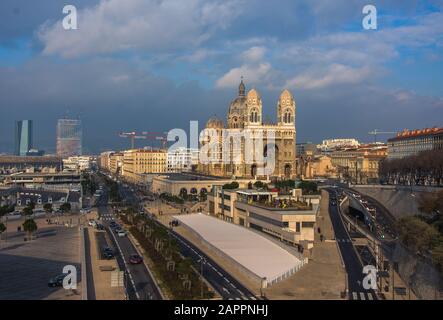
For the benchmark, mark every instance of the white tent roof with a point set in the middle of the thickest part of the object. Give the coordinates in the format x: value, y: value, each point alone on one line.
x: 254, y: 252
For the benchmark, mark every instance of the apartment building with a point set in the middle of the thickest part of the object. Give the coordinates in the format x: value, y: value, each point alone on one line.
x: 138, y: 162
x: 359, y: 165
x: 410, y: 142
x: 291, y: 219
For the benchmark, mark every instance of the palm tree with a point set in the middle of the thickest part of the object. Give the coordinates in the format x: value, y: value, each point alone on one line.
x: 27, y: 211
x: 2, y: 228
x: 184, y: 268
x: 29, y: 226
x: 47, y: 207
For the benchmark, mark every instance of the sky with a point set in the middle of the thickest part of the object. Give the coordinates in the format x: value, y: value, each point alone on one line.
x: 155, y: 65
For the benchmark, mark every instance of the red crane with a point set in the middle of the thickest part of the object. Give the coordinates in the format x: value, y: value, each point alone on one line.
x: 145, y: 136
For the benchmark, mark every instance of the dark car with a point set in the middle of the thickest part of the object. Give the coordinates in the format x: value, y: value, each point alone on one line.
x: 99, y: 227
x: 117, y: 229
x: 56, y: 281
x: 135, y: 259
x: 108, y: 255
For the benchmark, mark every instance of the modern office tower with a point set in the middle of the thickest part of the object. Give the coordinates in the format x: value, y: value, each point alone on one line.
x: 69, y: 138
x: 23, y: 137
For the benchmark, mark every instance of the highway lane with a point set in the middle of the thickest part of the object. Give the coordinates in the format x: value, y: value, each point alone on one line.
x: 90, y: 285
x: 354, y: 268
x: 139, y: 282
x: 228, y: 287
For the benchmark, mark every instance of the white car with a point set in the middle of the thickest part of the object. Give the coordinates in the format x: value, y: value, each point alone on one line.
x: 121, y: 233
x: 92, y: 223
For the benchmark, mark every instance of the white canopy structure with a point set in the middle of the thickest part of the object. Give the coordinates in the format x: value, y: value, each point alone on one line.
x: 258, y: 255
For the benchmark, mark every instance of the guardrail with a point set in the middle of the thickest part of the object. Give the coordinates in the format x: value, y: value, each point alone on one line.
x: 83, y: 264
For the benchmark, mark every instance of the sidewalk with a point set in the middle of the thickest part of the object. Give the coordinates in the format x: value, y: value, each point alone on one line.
x: 102, y: 279
x: 323, y: 278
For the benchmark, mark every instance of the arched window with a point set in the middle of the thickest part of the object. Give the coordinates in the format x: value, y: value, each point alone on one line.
x: 253, y: 117
x: 287, y: 118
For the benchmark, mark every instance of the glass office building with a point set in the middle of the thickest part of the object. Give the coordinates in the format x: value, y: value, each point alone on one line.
x: 69, y: 138
x: 23, y: 137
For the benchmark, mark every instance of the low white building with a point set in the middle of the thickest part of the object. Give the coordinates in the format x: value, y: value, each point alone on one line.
x: 333, y: 144
x: 182, y: 159
x: 78, y: 163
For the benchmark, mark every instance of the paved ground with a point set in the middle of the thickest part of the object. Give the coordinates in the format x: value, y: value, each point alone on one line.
x: 26, y: 267
x: 323, y: 277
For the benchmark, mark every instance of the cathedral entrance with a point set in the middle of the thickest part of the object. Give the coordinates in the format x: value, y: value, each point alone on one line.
x: 253, y: 170
x: 288, y: 171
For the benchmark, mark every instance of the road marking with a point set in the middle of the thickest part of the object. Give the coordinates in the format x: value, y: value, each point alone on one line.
x: 362, y: 296
x: 253, y: 298
x: 354, y: 296
x: 370, y: 296
x: 126, y: 265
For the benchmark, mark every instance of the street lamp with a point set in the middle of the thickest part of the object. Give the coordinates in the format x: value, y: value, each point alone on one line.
x: 202, y: 262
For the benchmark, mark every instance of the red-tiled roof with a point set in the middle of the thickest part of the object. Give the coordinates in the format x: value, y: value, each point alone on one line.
x: 407, y: 134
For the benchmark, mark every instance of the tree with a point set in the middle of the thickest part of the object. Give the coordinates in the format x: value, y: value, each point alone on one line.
x: 27, y: 211
x: 30, y: 227
x: 417, y: 234
x: 184, y: 267
x: 47, y: 207
x: 6, y: 209
x: 65, y: 207
x: 308, y: 187
x: 231, y: 186
x: 2, y: 227
x: 259, y: 184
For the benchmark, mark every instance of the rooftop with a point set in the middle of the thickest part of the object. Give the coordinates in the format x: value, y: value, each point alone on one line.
x: 257, y: 254
x: 406, y: 134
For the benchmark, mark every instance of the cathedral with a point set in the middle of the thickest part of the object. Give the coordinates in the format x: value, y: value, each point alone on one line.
x: 245, y: 114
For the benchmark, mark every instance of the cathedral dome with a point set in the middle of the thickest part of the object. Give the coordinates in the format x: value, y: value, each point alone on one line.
x: 238, y: 105
x: 214, y: 123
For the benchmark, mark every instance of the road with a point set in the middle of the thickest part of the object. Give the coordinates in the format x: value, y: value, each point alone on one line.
x: 139, y: 284
x: 353, y: 266
x: 220, y: 280
x: 90, y: 287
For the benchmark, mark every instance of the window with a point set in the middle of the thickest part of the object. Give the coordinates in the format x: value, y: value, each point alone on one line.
x: 253, y: 117
x: 307, y: 224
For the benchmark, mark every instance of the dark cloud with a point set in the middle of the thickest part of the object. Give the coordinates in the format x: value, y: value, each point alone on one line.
x: 21, y: 18
x: 304, y: 45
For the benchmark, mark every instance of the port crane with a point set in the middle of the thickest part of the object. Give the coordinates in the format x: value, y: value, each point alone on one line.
x: 145, y: 135
x: 376, y: 132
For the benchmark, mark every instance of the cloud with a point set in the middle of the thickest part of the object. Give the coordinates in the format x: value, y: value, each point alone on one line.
x: 254, y: 54
x: 336, y: 74
x: 253, y: 74
x: 149, y: 25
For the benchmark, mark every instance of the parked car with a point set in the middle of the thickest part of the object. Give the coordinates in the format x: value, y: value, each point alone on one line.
x: 56, y: 281
x: 115, y: 226
x: 135, y: 259
x: 99, y: 226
